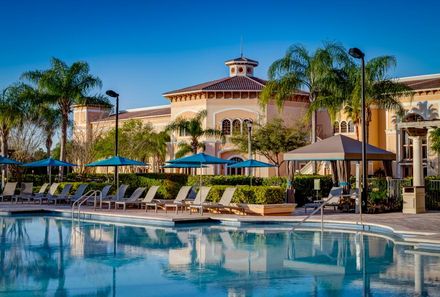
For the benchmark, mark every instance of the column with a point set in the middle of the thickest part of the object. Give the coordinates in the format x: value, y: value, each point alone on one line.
x: 418, y: 274
x: 417, y: 161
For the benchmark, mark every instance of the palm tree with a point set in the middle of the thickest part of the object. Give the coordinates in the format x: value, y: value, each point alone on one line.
x: 49, y: 121
x: 380, y: 91
x: 12, y: 113
x: 65, y: 85
x: 299, y: 69
x: 194, y: 129
x: 159, y: 148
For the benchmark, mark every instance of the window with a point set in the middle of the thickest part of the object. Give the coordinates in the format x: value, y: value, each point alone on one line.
x: 182, y: 131
x: 236, y: 127
x: 336, y: 127
x: 343, y: 127
x: 350, y: 127
x: 226, y: 127
x: 236, y: 171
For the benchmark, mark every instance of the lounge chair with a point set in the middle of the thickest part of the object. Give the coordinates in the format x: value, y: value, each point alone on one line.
x: 149, y: 197
x: 8, y: 191
x: 202, y: 194
x: 133, y: 199
x: 117, y: 197
x: 41, y: 191
x: 25, y: 193
x: 102, y: 196
x: 113, y: 201
x: 63, y: 196
x: 181, y: 196
x: 78, y: 193
x: 333, y: 200
x: 224, y: 203
x: 41, y: 196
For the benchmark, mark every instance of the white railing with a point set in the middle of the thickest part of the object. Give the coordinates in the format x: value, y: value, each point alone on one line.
x: 95, y: 194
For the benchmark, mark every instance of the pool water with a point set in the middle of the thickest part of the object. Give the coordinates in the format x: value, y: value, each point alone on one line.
x: 49, y: 256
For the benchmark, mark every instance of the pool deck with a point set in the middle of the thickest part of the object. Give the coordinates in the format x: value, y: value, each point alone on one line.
x: 418, y: 228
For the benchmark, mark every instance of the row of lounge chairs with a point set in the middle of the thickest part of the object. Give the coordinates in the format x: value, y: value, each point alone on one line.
x: 118, y: 200
x: 27, y: 195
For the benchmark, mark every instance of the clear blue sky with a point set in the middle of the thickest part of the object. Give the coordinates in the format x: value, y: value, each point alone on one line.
x: 145, y: 48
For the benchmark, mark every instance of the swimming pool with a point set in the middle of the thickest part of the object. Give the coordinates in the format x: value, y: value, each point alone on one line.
x: 53, y: 256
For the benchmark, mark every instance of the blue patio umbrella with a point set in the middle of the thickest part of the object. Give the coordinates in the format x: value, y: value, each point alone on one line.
x: 251, y: 163
x: 116, y: 161
x: 7, y: 161
x: 200, y: 159
x: 183, y: 165
x: 49, y: 163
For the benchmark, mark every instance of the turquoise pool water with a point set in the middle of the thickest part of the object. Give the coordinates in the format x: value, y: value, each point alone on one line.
x: 49, y: 256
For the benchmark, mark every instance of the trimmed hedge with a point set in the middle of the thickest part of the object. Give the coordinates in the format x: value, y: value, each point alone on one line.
x: 304, y: 184
x: 234, y: 180
x: 250, y: 195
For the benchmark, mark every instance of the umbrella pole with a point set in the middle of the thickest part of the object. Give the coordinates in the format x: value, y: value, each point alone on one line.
x: 50, y: 174
x: 200, y: 183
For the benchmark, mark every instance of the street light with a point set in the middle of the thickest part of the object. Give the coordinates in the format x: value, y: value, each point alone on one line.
x: 358, y: 54
x: 249, y: 127
x: 113, y: 94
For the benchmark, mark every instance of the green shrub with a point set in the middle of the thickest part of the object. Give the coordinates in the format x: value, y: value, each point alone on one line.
x: 304, y: 184
x: 250, y: 194
x: 234, y: 180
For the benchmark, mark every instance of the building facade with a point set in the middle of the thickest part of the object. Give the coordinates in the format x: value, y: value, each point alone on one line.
x: 231, y: 102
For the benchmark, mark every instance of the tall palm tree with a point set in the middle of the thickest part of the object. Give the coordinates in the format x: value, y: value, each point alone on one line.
x: 316, y: 72
x: 49, y: 121
x: 380, y: 90
x: 66, y: 85
x: 193, y: 128
x: 12, y: 113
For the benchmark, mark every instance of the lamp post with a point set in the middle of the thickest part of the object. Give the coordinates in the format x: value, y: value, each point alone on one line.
x: 113, y: 94
x: 249, y: 127
x: 358, y: 54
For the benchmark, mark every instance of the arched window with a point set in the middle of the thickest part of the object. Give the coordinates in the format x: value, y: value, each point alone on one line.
x: 343, y: 127
x: 236, y: 127
x: 236, y: 171
x: 336, y: 127
x: 182, y: 131
x: 226, y: 127
x: 350, y: 127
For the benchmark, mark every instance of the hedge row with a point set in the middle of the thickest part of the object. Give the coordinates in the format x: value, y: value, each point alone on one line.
x: 234, y: 180
x: 250, y: 195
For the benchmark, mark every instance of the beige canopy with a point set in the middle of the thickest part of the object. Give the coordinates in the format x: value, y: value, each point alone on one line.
x: 338, y: 148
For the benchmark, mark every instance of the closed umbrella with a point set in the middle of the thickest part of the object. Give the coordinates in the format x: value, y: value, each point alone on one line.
x: 251, y: 163
x: 116, y: 161
x: 49, y: 163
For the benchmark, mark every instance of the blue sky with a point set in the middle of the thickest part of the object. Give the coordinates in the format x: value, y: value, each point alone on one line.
x: 145, y: 48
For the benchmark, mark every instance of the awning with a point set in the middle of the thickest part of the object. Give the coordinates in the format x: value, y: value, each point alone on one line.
x: 338, y: 148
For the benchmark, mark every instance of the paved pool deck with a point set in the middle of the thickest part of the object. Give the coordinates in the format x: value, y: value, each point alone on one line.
x: 415, y: 227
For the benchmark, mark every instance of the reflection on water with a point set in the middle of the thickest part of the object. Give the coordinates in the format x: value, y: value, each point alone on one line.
x: 46, y: 256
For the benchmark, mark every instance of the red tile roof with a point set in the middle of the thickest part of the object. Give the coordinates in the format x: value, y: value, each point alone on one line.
x: 234, y: 83
x: 424, y: 83
x: 123, y: 115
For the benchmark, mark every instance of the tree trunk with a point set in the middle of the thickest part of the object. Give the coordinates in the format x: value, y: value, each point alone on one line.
x: 48, y: 145
x: 64, y: 124
x: 4, y: 152
x: 356, y: 127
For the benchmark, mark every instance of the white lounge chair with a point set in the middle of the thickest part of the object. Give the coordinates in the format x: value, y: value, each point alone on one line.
x: 181, y: 196
x: 25, y: 193
x: 133, y: 199
x: 63, y: 196
x: 333, y: 200
x: 8, y: 191
x: 202, y: 194
x: 41, y: 191
x: 224, y: 203
x: 117, y: 197
x: 41, y: 196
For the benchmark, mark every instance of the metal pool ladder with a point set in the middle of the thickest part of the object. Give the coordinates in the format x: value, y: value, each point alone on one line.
x: 95, y: 194
x: 320, y: 208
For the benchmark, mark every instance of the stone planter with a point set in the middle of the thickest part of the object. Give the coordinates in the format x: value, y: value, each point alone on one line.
x: 269, y: 209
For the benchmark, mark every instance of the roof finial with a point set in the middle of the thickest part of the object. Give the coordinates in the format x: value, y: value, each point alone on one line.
x: 241, y: 46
